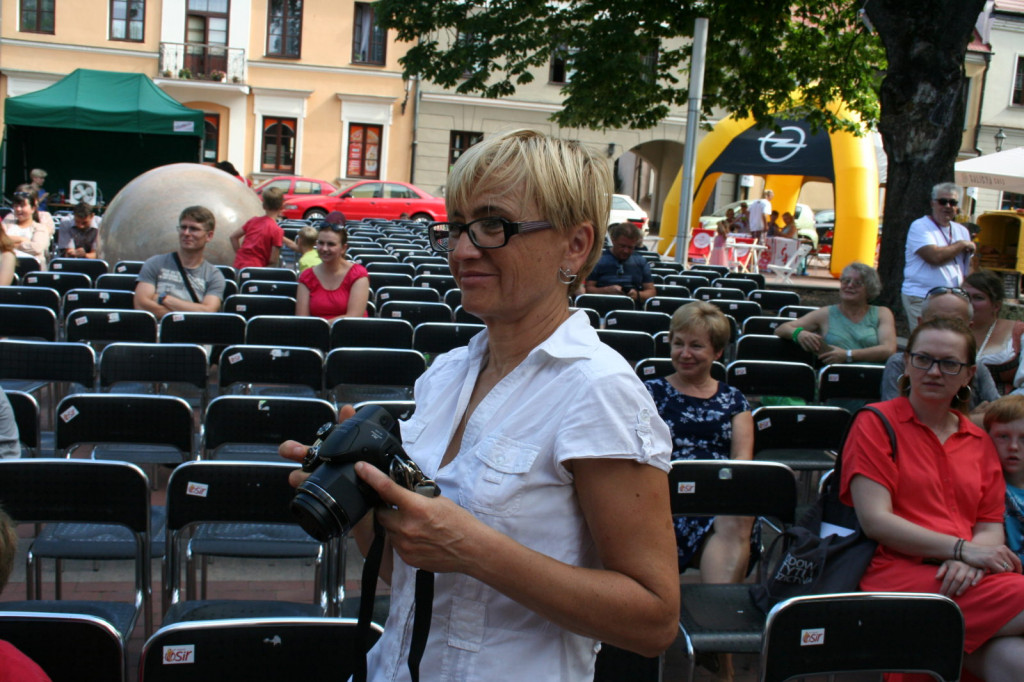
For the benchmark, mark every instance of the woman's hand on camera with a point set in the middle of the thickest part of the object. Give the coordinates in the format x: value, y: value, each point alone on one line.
x: 428, y: 533
x: 296, y: 451
x: 957, y: 577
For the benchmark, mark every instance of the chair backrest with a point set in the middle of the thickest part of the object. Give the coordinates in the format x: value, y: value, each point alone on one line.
x: 107, y: 299
x: 65, y: 644
x: 250, y: 305
x: 380, y: 279
x: 762, y: 324
x: 453, y: 297
x: 654, y: 368
x: 744, y: 285
x: 254, y: 649
x: 94, y: 267
x: 117, y: 281
x: 288, y: 330
x: 690, y: 281
x: 219, y: 329
x: 788, y: 427
x: 98, y: 324
x: 37, y: 296
x: 773, y: 299
x: 416, y: 312
x: 28, y: 322
x: 712, y: 487
x: 771, y: 347
x: 633, y: 346
x: 26, y: 416
x: 648, y: 321
x: 269, y: 287
x: 862, y: 382
x: 128, y: 418
x: 768, y: 377
x: 666, y: 304
x: 373, y: 367
x: 394, y: 268
x: 407, y: 294
x: 433, y: 338
x: 604, y: 303
x: 65, y: 362
x: 155, y: 363
x: 752, y: 276
x: 863, y: 632
x: 673, y: 291
x: 273, y: 274
x: 128, y: 267
x: 262, y: 420
x: 271, y: 365
x: 63, y: 282
x: 795, y: 311
x: 371, y: 332
x: 439, y: 282
x: 737, y: 309
x: 463, y: 316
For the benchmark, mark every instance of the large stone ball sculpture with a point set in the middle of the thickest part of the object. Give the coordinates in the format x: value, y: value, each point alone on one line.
x: 142, y: 219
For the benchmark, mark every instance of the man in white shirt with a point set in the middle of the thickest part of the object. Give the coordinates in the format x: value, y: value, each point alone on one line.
x: 938, y: 251
x: 760, y: 209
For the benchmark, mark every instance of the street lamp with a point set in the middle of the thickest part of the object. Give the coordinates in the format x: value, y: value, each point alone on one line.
x: 1000, y: 138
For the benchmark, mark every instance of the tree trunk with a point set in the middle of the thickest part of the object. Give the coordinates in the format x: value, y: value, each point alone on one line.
x: 923, y: 100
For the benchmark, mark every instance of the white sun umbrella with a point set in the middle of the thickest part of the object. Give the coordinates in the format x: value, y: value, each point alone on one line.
x: 1002, y: 171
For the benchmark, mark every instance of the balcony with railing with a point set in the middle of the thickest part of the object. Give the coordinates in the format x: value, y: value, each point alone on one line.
x: 201, y: 61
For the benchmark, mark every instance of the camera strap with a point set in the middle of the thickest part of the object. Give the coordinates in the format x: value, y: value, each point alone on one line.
x: 424, y: 602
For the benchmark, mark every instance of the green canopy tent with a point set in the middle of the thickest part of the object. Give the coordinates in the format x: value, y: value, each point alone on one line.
x: 104, y: 126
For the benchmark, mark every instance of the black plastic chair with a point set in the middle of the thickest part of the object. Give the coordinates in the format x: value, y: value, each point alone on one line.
x: 633, y: 346
x: 117, y: 281
x: 47, y: 369
x: 763, y: 324
x: 364, y: 258
x: 666, y: 304
x: 672, y: 291
x: 217, y: 329
x: 772, y: 378
x: 756, y: 277
x: 690, y: 281
x: 271, y: 370
x: 795, y: 311
x: 433, y: 268
x: 803, y: 437
x: 35, y: 296
x: 716, y: 619
x: 604, y: 303
x: 355, y: 375
x: 717, y: 293
x: 371, y: 332
x: 105, y: 299
x: 247, y: 497
x: 97, y: 325
x: 393, y: 268
x: 251, y: 305
x: 156, y: 368
x: 653, y: 368
x: 771, y: 347
x: 80, y: 492
x: 28, y: 322
x: 850, y: 382
x: 425, y: 294
x: 863, y: 632
x: 272, y: 274
x: 65, y: 645
x: 288, y: 330
x: 434, y: 338
x: 379, y: 280
x: 128, y: 267
x: 94, y: 267
x: 773, y: 299
x: 249, y: 428
x: 255, y: 649
x: 63, y: 282
x: 416, y: 312
x: 649, y: 322
x: 744, y: 285
x: 440, y: 283
x: 269, y: 287
x: 737, y: 309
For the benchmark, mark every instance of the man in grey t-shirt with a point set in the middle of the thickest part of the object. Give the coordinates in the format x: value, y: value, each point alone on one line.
x: 161, y: 288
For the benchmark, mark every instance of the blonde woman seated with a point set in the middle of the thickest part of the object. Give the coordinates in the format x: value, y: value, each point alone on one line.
x: 709, y: 420
x: 852, y: 330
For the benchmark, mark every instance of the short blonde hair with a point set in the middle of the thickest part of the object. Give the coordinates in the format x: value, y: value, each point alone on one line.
x: 1007, y: 409
x: 701, y: 316
x: 570, y: 183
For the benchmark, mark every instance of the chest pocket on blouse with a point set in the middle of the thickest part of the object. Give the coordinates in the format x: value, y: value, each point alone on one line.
x: 499, y: 471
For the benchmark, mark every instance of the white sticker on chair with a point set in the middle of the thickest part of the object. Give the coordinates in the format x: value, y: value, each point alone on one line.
x: 240, y: 308
x: 69, y: 414
x: 197, y: 489
x: 178, y: 317
x: 611, y: 322
x: 104, y: 296
x: 763, y: 424
x: 72, y: 297
x: 182, y: 653
x: 113, y: 317
x: 812, y: 637
x: 396, y: 313
x: 648, y: 370
x: 280, y: 353
x: 57, y: 266
x: 740, y: 371
x: 81, y: 320
x: 734, y: 306
x: 833, y: 377
x: 235, y: 357
x: 686, y: 487
x: 385, y: 296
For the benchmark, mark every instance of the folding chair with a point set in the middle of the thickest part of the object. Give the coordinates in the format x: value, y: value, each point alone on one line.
x: 249, y: 428
x: 762, y: 324
x: 218, y: 329
x: 434, y: 338
x: 715, y: 619
x: 738, y: 309
x: 803, y: 437
x: 633, y: 346
x: 94, y: 267
x: 371, y: 332
x: 288, y: 330
x: 773, y: 299
x: 28, y: 322
x: 355, y: 375
x: 649, y: 322
x: 791, y: 266
x: 128, y: 267
x: 36, y: 296
x: 63, y: 282
x: 604, y: 303
x: 425, y: 294
x: 666, y: 304
x: 860, y: 382
x: 269, y: 287
x: 106, y: 299
x: 771, y: 347
x: 96, y: 325
x: 26, y: 416
x: 79, y: 492
x: 232, y: 501
x: 416, y: 312
x: 250, y: 305
x: 254, y: 649
x: 156, y: 368
x: 795, y: 311
x: 273, y: 274
x: 65, y: 645
x: 863, y: 632
x: 757, y: 378
x: 117, y: 281
x: 271, y: 370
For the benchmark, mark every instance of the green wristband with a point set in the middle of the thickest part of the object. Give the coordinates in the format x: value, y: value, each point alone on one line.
x: 796, y: 333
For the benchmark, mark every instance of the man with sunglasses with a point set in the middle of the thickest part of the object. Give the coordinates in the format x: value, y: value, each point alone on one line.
x: 938, y: 251
x: 183, y: 281
x: 620, y: 270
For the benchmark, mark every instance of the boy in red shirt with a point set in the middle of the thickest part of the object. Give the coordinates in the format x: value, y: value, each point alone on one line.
x: 262, y: 235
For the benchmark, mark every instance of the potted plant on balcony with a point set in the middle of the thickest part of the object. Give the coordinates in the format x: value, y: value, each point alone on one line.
x: 217, y: 75
x: 185, y: 73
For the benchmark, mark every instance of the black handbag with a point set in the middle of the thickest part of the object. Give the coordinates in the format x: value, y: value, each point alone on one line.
x: 801, y: 562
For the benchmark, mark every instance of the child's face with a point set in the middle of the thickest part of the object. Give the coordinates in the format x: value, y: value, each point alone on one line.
x: 1009, y: 441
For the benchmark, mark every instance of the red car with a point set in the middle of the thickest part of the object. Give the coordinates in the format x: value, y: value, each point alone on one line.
x: 370, y: 199
x: 294, y: 186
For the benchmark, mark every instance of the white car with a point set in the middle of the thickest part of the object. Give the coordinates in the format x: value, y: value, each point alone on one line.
x: 625, y: 210
x: 803, y: 214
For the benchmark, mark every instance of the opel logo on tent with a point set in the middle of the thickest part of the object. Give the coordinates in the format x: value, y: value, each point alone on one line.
x: 782, y: 147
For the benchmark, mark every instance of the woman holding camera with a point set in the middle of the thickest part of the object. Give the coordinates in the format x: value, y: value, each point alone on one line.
x: 553, y: 531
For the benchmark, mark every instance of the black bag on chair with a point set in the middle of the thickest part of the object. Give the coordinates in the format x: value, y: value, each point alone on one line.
x: 800, y: 561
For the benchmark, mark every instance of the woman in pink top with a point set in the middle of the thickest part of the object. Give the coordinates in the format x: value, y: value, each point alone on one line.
x: 337, y: 287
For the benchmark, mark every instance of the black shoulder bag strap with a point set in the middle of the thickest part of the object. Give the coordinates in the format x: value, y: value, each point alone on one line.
x: 424, y: 601
x: 184, y: 278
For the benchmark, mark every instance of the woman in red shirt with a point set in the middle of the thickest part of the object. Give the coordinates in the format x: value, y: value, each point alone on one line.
x: 337, y: 287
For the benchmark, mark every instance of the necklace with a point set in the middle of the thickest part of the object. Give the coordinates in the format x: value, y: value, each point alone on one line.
x: 988, y: 336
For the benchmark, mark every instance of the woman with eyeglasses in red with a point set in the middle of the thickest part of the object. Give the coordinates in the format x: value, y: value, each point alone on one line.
x: 935, y: 505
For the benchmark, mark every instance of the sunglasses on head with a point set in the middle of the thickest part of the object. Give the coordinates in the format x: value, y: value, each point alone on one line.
x: 956, y: 291
x: 20, y: 196
x: 943, y: 201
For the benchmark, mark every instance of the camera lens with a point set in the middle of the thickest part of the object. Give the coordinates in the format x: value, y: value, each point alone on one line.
x: 330, y: 502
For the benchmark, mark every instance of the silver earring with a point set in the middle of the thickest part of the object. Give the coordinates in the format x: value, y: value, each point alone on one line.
x: 566, y: 276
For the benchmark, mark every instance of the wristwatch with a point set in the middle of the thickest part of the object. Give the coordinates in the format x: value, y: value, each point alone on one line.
x: 849, y: 355
x: 161, y: 298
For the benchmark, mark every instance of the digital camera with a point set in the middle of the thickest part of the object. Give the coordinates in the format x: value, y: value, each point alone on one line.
x: 334, y: 498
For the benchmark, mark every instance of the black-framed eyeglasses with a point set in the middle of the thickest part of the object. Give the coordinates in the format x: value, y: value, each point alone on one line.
x: 485, y: 233
x: 956, y: 291
x: 193, y: 229
x: 925, y: 362
x: 943, y: 201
